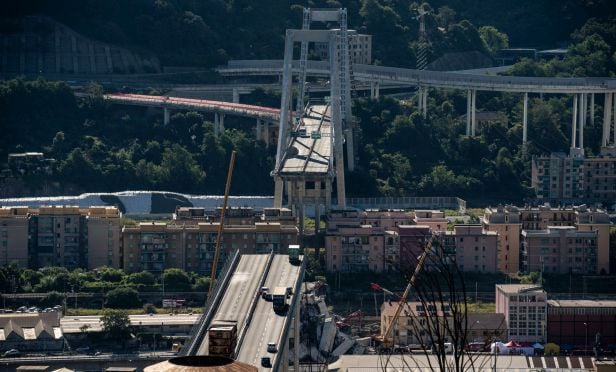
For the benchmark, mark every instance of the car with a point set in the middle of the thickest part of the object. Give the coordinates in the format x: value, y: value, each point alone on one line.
x: 268, y: 297
x: 151, y: 314
x: 22, y: 309
x: 11, y: 353
x: 263, y: 290
x: 271, y: 347
x: 266, y: 362
x: 289, y: 291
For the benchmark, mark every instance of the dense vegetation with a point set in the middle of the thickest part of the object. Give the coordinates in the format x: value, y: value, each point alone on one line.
x: 206, y: 33
x: 100, y: 148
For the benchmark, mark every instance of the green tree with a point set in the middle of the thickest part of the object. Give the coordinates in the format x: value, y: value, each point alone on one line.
x: 116, y: 324
x: 110, y: 274
x: 142, y: 278
x: 176, y: 280
x: 122, y: 298
x: 493, y: 39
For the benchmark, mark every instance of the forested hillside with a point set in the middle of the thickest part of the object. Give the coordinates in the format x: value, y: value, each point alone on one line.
x: 207, y: 32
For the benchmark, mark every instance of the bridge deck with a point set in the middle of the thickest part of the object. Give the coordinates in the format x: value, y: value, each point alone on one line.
x: 306, y: 155
x: 243, y: 285
x: 267, y: 326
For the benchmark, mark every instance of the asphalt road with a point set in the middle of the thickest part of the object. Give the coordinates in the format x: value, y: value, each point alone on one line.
x: 266, y: 326
x: 240, y: 292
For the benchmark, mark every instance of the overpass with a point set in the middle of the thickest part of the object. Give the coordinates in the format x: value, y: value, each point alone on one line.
x: 236, y: 299
x: 264, y: 115
x: 583, y: 88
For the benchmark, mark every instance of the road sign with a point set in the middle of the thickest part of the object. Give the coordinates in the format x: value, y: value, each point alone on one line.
x: 315, y: 135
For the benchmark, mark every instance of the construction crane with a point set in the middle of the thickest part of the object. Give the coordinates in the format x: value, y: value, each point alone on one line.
x: 221, y: 225
x: 384, y: 339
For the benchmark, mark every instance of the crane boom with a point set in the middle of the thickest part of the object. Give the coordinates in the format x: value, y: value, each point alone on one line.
x: 422, y: 258
x: 222, y: 222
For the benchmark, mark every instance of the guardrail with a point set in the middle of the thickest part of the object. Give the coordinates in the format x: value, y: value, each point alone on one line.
x: 253, y: 304
x: 297, y: 291
x: 414, y: 202
x: 197, y: 333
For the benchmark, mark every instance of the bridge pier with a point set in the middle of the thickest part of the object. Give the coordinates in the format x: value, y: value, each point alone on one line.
x: 422, y: 101
x: 278, y: 190
x: 581, y: 118
x: 219, y: 123
x: 374, y: 90
x: 592, y: 109
x: 471, y: 123
x: 348, y: 135
x: 608, y: 105
x: 525, y: 125
x: 266, y: 133
x: 258, y: 130
x: 166, y: 116
x: 574, y: 122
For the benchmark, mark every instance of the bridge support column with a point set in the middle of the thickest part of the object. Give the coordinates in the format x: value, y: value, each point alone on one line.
x: 348, y: 134
x: 266, y: 133
x: 278, y: 190
x: 422, y: 101
x: 574, y: 122
x: 374, y: 90
x: 236, y: 95
x: 607, y: 119
x: 258, y: 130
x: 581, y: 119
x: 301, y: 191
x: 592, y: 109
x: 614, y: 117
x: 328, y: 194
x: 317, y: 216
x: 473, y: 111
x: 166, y: 116
x: 296, y: 340
x: 219, y: 123
x: 525, y: 125
x: 468, y: 112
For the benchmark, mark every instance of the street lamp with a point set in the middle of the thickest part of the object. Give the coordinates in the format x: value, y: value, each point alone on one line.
x: 586, y: 340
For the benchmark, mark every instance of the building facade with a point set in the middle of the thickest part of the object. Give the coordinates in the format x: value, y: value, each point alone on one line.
x: 578, y: 322
x: 559, y: 249
x: 191, y: 247
x: 472, y: 248
x: 412, y: 324
x: 525, y: 310
x: 505, y: 222
x: 574, y: 177
x: 66, y: 236
x: 360, y: 48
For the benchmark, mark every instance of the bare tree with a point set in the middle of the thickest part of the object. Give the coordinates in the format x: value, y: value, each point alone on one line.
x: 437, y: 315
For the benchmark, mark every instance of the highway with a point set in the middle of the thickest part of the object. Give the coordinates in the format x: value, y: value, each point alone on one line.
x: 306, y: 154
x: 437, y: 79
x: 238, y: 109
x: 267, y: 326
x: 239, y: 294
x: 71, y: 324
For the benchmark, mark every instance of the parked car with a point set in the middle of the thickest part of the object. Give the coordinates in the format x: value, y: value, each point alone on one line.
x: 11, y: 353
x: 266, y: 362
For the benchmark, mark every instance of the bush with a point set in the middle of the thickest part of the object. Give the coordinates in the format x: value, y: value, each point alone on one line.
x: 122, y: 298
x: 149, y: 308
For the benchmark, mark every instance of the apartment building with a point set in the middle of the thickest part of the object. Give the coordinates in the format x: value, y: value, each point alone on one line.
x: 434, y: 219
x: 66, y: 236
x: 191, y: 246
x: 412, y: 323
x: 354, y: 247
x: 573, y: 177
x: 360, y: 48
x: 413, y: 240
x: 513, y: 225
x: 505, y: 222
x: 559, y: 249
x: 525, y: 310
x: 472, y: 248
x: 14, y: 231
x: 577, y: 322
x: 584, y: 218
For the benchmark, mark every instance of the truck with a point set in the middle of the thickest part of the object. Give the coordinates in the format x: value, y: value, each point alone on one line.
x: 293, y: 254
x: 222, y: 338
x: 279, y: 299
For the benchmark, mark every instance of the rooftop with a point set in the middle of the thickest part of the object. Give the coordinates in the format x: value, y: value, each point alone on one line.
x: 519, y: 288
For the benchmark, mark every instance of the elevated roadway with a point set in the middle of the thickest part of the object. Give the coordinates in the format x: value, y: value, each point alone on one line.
x: 437, y: 79
x: 266, y: 325
x: 239, y: 293
x: 222, y: 107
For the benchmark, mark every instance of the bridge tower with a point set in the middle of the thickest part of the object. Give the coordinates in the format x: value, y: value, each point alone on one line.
x: 337, y: 113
